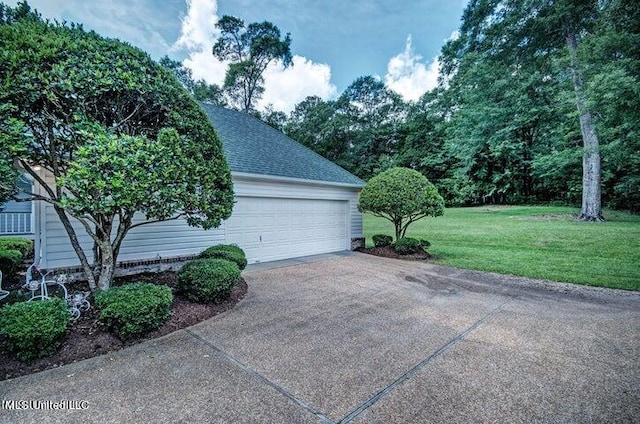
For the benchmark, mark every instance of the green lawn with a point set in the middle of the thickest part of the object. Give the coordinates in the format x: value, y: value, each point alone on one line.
x: 532, y: 241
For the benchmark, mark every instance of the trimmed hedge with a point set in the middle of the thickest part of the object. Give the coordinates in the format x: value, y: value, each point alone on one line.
x: 230, y: 252
x: 407, y: 246
x: 10, y: 260
x: 34, y: 329
x: 208, y: 280
x: 22, y: 245
x: 134, y: 309
x: 382, y: 240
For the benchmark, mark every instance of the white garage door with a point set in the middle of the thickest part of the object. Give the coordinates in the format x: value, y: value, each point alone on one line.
x: 272, y: 228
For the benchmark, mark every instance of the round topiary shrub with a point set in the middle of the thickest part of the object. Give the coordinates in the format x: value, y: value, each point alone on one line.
x: 134, y: 309
x: 34, y: 329
x: 381, y: 240
x: 22, y: 245
x: 407, y: 246
x: 208, y: 280
x: 9, y: 261
x: 230, y: 252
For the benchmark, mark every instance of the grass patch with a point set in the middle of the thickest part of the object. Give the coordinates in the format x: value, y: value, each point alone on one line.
x: 532, y: 241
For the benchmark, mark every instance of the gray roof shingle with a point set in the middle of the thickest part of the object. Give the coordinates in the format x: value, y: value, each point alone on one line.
x: 253, y: 147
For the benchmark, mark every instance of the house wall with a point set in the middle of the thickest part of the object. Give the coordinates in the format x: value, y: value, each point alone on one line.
x: 175, y: 238
x: 16, y: 218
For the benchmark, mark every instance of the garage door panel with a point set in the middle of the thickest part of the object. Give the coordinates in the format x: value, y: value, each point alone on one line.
x: 277, y: 228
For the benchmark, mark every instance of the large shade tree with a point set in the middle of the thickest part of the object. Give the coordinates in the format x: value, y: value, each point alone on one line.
x: 249, y: 49
x: 516, y: 64
x: 200, y: 89
x: 105, y: 132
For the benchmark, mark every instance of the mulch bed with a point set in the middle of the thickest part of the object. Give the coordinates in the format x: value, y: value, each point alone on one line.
x: 85, y: 339
x: 388, y: 252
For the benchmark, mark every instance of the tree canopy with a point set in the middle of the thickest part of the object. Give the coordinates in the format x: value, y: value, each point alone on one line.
x: 114, y: 133
x: 200, y: 89
x: 10, y: 130
x: 530, y: 94
x: 249, y: 49
x: 401, y: 195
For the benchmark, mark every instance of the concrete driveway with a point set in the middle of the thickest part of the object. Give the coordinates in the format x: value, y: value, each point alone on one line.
x: 368, y: 340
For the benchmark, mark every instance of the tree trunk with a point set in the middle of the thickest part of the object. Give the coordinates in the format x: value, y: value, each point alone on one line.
x: 591, y: 172
x: 591, y: 167
x: 86, y: 267
x: 398, y: 225
x: 107, y: 265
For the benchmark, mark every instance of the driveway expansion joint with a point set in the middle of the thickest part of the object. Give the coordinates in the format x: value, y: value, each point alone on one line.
x: 413, y: 370
x: 255, y: 374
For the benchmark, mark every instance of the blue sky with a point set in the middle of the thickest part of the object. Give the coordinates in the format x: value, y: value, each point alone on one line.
x: 334, y: 41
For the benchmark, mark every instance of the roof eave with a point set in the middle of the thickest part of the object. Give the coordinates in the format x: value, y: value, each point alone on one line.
x: 264, y: 177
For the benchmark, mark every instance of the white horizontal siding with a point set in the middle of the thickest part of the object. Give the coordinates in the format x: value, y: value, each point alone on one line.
x: 167, y: 239
x: 157, y: 240
x: 175, y: 238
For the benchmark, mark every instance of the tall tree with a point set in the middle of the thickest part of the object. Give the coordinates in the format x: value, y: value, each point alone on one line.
x: 114, y: 132
x: 249, y: 49
x: 373, y: 115
x: 575, y: 18
x: 316, y: 124
x: 612, y: 56
x: 422, y: 139
x: 200, y: 90
x: 522, y: 37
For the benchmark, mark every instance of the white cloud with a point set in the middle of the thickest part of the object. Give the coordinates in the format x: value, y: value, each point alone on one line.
x: 197, y: 37
x: 284, y: 88
x: 204, y: 66
x: 408, y: 76
x: 198, y: 27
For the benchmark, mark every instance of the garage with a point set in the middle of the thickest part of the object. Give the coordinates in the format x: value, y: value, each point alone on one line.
x: 289, y: 202
x: 277, y: 228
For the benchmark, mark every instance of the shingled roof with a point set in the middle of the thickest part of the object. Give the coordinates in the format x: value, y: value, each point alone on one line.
x: 253, y: 147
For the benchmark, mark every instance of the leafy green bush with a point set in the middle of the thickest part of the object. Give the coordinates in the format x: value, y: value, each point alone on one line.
x: 407, y: 246
x: 14, y: 296
x: 34, y: 329
x: 381, y: 240
x: 208, y: 279
x: 134, y: 309
x: 9, y: 261
x: 22, y: 245
x: 230, y: 252
x: 425, y: 244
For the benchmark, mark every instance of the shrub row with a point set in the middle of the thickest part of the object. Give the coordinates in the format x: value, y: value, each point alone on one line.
x: 35, y: 329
